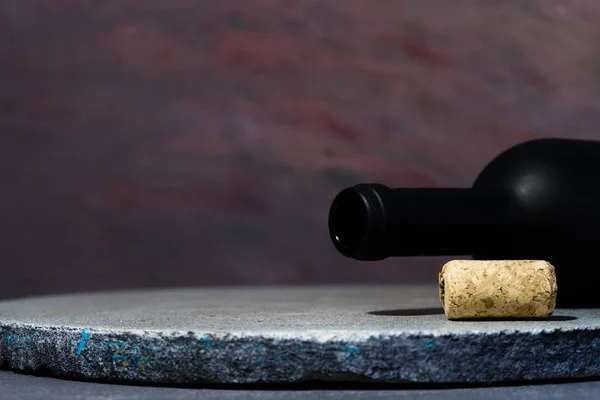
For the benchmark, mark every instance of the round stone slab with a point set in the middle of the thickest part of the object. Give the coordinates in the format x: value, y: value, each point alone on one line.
x: 286, y: 334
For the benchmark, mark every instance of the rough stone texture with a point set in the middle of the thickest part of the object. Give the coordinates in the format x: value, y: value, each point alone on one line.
x: 498, y: 289
x: 380, y: 334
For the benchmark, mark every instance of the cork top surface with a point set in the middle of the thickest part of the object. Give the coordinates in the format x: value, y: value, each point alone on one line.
x: 319, y: 313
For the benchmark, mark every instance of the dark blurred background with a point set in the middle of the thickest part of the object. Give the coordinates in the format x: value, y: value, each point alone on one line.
x: 148, y: 143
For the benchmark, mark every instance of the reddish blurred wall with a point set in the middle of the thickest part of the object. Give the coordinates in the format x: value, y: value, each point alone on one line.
x: 148, y: 143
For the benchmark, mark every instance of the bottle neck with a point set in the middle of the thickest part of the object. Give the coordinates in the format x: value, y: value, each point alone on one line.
x: 373, y: 222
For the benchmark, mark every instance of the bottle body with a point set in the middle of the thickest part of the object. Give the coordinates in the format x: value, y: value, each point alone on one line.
x: 537, y: 200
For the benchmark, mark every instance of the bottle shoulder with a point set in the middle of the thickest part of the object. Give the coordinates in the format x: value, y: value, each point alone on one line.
x: 546, y: 174
x: 568, y: 161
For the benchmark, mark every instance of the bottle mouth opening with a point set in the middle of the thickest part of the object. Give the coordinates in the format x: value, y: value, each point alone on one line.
x: 348, y: 220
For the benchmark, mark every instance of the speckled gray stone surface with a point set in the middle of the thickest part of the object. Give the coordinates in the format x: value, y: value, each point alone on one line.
x: 278, y: 335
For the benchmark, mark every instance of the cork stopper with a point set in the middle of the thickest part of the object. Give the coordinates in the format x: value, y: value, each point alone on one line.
x: 472, y: 289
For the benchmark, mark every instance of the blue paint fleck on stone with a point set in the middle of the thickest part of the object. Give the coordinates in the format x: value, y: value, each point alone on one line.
x: 84, y: 337
x: 351, y: 349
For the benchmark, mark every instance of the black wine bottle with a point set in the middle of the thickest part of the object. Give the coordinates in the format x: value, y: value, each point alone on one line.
x: 536, y: 200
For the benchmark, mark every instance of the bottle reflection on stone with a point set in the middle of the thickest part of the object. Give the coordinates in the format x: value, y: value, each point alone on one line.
x: 537, y: 200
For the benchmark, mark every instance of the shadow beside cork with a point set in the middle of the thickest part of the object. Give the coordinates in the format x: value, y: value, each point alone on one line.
x: 411, y: 312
